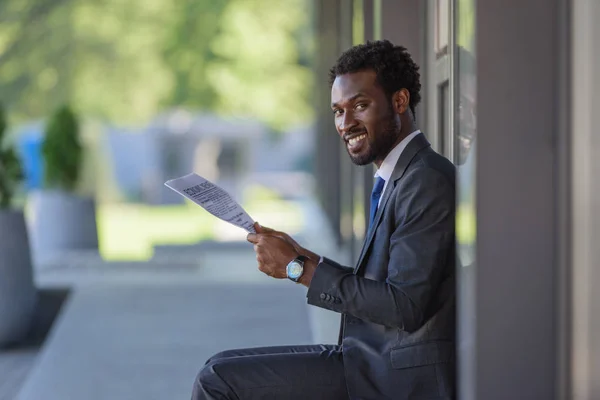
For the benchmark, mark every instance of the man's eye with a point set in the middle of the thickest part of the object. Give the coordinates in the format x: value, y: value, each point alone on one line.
x: 337, y: 112
x: 361, y: 106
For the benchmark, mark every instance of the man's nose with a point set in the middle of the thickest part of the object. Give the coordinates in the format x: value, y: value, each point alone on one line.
x: 347, y: 123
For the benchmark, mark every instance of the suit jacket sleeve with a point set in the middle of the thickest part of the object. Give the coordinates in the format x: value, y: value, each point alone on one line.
x: 420, y: 246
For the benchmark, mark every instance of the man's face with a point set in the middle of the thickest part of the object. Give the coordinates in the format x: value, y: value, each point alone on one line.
x: 365, y: 117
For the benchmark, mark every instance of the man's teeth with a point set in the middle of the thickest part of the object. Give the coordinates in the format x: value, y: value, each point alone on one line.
x: 357, y: 139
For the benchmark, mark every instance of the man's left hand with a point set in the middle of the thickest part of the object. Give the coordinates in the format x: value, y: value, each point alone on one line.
x: 272, y: 253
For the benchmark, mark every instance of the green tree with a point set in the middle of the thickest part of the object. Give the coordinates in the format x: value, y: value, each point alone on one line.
x: 10, y: 168
x: 121, y: 75
x: 101, y: 54
x: 62, y: 151
x: 26, y: 48
x: 187, y: 52
x: 263, y: 66
x: 123, y: 61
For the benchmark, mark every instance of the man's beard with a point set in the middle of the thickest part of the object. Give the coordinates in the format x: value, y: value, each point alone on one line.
x: 379, y: 144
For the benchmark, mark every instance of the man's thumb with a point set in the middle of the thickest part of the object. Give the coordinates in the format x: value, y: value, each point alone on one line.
x: 262, y: 229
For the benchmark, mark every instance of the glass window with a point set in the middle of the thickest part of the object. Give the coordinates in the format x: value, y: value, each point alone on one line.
x: 442, y: 25
x: 444, y: 119
x: 466, y: 115
x: 465, y: 142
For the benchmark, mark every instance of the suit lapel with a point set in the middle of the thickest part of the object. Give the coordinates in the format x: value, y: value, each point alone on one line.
x: 417, y: 144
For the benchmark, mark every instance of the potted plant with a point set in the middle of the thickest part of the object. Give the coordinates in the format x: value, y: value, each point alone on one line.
x: 64, y: 221
x: 17, y: 292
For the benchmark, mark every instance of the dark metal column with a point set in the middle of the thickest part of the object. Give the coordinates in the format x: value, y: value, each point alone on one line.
x: 402, y: 23
x: 519, y: 110
x: 327, y: 27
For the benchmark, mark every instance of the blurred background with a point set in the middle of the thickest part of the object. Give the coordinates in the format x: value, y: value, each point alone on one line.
x: 162, y: 89
x: 114, y: 287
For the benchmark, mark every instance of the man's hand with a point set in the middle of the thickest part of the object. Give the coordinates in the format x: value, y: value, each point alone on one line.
x: 282, y: 235
x: 274, y: 251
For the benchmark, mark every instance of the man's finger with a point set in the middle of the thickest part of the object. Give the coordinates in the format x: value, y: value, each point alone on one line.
x: 252, y: 238
x: 279, y: 234
x: 264, y: 230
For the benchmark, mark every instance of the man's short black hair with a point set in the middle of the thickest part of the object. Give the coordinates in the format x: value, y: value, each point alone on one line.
x: 394, y: 67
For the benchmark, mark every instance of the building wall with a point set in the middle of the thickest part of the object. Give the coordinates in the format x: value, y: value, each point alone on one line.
x: 519, y: 111
x: 529, y: 201
x: 585, y: 189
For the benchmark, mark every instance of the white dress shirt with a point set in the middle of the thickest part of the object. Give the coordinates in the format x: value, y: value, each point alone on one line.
x: 386, y: 169
x: 389, y: 163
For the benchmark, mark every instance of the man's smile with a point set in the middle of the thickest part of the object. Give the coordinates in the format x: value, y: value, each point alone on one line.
x: 356, y: 142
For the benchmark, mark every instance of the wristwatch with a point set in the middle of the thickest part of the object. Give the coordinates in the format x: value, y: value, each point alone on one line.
x: 295, y: 268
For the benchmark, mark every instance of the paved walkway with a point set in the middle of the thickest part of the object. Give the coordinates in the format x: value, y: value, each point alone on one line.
x: 142, y: 330
x: 17, y: 361
x: 148, y: 341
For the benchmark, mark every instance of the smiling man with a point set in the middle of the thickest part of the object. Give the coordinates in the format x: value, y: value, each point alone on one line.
x: 398, y: 302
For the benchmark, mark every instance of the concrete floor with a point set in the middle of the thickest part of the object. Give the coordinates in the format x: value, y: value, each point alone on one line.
x: 16, y: 361
x: 142, y: 330
x: 147, y: 341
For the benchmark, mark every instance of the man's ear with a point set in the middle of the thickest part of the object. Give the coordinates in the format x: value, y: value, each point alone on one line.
x: 401, y: 101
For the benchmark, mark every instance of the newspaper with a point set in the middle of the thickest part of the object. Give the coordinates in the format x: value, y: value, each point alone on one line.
x: 213, y: 199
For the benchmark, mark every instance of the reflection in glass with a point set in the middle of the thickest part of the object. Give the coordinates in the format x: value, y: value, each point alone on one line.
x: 465, y: 136
x: 465, y: 142
x: 467, y: 111
x: 444, y: 130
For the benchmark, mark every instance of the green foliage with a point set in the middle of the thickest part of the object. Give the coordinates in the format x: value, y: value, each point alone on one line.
x: 263, y: 61
x: 465, y: 36
x: 188, y: 55
x: 10, y: 167
x: 126, y: 60
x: 62, y: 150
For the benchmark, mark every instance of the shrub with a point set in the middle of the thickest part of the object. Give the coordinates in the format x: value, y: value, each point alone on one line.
x: 10, y: 166
x: 62, y: 151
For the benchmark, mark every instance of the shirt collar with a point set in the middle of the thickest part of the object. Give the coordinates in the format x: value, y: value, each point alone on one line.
x: 386, y: 169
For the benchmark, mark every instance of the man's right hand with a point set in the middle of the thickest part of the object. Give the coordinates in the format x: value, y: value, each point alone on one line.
x: 282, y: 235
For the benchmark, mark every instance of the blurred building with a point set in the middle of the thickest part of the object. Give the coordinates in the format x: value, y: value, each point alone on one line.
x: 176, y: 143
x: 511, y: 93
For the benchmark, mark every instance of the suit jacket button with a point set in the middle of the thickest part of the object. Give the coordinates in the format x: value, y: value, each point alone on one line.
x: 323, y: 296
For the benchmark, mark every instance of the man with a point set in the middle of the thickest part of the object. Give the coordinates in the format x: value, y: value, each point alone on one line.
x: 398, y: 303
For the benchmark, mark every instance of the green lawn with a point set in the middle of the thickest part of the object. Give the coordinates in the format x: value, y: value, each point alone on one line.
x: 129, y: 231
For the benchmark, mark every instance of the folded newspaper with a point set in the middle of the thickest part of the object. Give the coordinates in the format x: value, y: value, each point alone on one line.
x: 213, y: 199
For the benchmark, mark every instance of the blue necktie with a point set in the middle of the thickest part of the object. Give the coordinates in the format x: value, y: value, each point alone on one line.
x: 375, y: 196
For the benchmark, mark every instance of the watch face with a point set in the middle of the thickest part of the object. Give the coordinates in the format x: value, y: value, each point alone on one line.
x: 294, y: 270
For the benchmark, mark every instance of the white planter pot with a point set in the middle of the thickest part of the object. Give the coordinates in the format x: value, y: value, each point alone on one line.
x: 17, y: 291
x: 61, y: 222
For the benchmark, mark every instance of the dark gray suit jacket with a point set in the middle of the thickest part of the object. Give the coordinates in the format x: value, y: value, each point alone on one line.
x: 398, y: 303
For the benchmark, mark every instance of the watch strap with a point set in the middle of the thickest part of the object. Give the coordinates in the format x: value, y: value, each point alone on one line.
x: 301, y: 259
